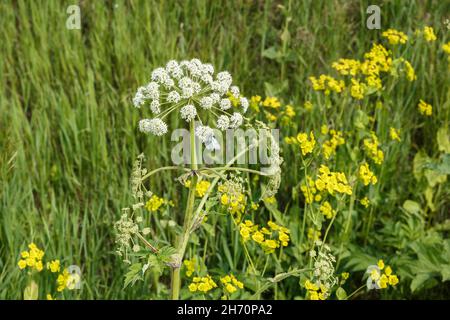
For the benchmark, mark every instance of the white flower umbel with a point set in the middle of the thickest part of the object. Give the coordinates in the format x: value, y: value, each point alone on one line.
x: 155, y: 126
x: 188, y: 112
x: 190, y: 88
x: 223, y: 122
x: 236, y: 120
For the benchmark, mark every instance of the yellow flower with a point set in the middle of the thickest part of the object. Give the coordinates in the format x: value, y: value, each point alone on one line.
x: 271, y: 102
x: 380, y: 264
x: 270, y: 117
x: 31, y: 258
x: 258, y: 237
x: 393, y: 280
x: 254, y: 103
x: 394, y: 134
x: 357, y: 89
x: 190, y: 266
x: 244, y: 231
x: 309, y: 106
x: 446, y: 48
x: 154, y: 203
x: 388, y: 270
x: 365, y: 202
x: 311, y: 286
x: 383, y: 281
x: 306, y: 145
x: 428, y: 34
x: 329, y: 147
x: 327, y: 210
x: 409, y: 70
x: 49, y: 297
x: 39, y: 266
x: 372, y: 149
x: 425, y: 108
x: 290, y: 111
x: 230, y: 288
x: 347, y: 66
x: 22, y: 264
x: 395, y: 37
x: 254, y: 206
x: 327, y: 84
x: 53, y: 266
x: 366, y: 175
x: 62, y: 280
x: 192, y: 287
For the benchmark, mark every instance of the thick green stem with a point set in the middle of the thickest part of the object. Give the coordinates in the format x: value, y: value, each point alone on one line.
x: 182, y: 242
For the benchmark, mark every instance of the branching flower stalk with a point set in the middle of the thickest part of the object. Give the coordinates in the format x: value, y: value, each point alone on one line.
x: 187, y: 88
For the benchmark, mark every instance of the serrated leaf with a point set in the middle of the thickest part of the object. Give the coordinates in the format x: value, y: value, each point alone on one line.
x: 133, y: 274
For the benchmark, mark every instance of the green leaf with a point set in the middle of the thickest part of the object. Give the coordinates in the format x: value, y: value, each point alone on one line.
x: 429, y: 198
x: 411, y: 207
x: 443, y: 140
x: 445, y: 272
x: 31, y: 292
x: 341, y: 294
x: 420, y: 159
x: 419, y: 281
x: 272, y: 53
x: 134, y: 274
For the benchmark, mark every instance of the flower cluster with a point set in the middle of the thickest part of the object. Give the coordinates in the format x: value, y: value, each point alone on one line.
x: 425, y: 108
x: 306, y: 144
x: 395, y: 37
x: 329, y: 146
x: 191, y: 86
x: 32, y: 258
x: 366, y: 175
x: 371, y: 146
x: 394, y: 134
x: 365, y: 202
x: 202, y: 284
x: 332, y: 181
x: 200, y: 188
x: 327, y: 84
x: 316, y: 292
x: 379, y: 280
x: 232, y: 195
x: 231, y: 284
x: 190, y: 266
x: 54, y: 266
x: 327, y: 210
x: 427, y: 33
x: 268, y: 238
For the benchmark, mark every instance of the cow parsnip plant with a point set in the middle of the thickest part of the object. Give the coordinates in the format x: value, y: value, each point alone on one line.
x: 192, y: 90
